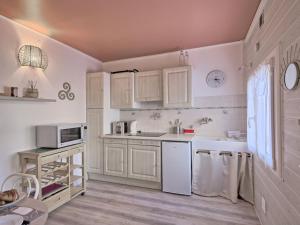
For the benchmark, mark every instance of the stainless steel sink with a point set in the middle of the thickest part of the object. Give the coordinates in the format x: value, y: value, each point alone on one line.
x: 148, y: 134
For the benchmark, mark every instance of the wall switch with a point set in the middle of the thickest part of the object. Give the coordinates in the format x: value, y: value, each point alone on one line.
x: 263, y: 204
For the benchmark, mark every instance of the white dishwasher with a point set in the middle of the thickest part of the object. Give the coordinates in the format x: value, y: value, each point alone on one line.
x: 177, y: 167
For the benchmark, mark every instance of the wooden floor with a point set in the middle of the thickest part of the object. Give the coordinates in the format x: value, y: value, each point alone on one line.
x: 113, y: 204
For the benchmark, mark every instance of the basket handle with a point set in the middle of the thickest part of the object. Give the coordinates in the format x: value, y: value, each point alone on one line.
x: 28, y: 176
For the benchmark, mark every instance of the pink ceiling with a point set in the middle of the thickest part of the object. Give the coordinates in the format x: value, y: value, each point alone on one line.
x: 117, y: 29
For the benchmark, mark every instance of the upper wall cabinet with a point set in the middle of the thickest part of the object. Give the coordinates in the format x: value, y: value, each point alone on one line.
x: 177, y: 87
x: 148, y: 86
x: 122, y: 90
x: 94, y: 90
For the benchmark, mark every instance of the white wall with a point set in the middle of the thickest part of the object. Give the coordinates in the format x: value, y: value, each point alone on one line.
x: 226, y: 57
x: 231, y: 96
x: 223, y: 120
x: 17, y: 119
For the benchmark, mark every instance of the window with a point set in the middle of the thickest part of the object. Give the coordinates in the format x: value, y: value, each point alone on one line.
x: 260, y: 114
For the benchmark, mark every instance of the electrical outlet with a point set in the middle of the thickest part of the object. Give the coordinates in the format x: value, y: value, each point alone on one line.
x: 257, y: 46
x: 263, y: 204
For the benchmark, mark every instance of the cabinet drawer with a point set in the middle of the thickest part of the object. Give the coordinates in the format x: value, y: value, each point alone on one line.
x: 57, y: 200
x: 144, y: 142
x: 54, y: 157
x: 75, y: 151
x: 115, y: 141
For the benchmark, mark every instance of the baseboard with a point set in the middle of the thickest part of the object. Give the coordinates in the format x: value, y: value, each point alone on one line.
x: 125, y: 180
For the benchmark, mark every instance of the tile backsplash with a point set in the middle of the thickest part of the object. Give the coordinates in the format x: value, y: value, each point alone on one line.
x: 226, y: 112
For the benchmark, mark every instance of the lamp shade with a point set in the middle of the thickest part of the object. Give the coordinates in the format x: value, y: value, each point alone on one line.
x: 33, y: 56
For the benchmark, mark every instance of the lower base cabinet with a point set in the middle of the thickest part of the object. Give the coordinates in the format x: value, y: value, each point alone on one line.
x: 115, y: 160
x: 144, y: 162
x: 133, y: 159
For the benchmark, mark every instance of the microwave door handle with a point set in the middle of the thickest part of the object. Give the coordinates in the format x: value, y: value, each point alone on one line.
x: 58, y: 143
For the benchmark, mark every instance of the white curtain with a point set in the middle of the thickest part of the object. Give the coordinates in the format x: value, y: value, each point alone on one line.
x: 260, y: 113
x: 251, y: 110
x: 225, y: 175
x: 246, y: 187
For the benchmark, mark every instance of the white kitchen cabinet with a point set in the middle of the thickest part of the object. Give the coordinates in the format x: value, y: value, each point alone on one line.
x: 144, y: 162
x: 148, y: 86
x: 122, y: 90
x: 99, y: 116
x: 94, y: 90
x: 177, y: 87
x: 115, y: 160
x: 94, y: 140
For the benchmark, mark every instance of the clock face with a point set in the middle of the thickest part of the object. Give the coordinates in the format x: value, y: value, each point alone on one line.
x: 215, y: 78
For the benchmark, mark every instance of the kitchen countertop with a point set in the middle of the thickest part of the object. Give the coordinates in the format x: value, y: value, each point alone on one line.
x: 165, y: 137
x: 220, y: 144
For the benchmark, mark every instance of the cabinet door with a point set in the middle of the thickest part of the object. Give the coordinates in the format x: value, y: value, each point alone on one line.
x: 122, y: 85
x: 177, y: 84
x: 115, y: 160
x: 94, y: 142
x: 144, y: 162
x: 148, y: 86
x: 94, y: 90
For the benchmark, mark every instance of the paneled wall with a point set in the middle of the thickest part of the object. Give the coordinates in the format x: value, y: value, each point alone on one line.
x: 282, y: 194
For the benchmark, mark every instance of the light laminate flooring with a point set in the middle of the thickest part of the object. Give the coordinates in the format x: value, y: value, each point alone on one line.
x: 114, y: 204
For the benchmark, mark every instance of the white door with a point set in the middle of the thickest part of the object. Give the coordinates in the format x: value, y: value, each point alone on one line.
x: 177, y: 167
x: 115, y: 160
x: 144, y: 162
x: 122, y: 85
x: 148, y: 86
x: 94, y: 90
x: 177, y: 84
x: 94, y: 141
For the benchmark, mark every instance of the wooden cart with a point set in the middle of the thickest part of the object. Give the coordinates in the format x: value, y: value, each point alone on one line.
x: 60, y: 172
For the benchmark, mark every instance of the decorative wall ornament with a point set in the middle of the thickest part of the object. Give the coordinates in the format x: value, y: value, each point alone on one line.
x: 289, y: 69
x: 32, y: 56
x: 66, y: 93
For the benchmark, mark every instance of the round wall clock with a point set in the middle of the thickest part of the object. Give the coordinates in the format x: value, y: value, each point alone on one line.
x: 215, y: 78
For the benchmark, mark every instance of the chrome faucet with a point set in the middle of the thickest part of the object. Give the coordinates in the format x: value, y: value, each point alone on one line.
x: 155, y: 115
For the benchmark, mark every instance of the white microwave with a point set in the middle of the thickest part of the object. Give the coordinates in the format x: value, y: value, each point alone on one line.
x: 60, y: 135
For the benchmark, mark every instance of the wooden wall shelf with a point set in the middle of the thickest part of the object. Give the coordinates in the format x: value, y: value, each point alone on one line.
x: 9, y: 98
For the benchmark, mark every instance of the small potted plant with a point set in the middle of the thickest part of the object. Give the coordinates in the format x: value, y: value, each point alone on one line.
x: 32, y: 91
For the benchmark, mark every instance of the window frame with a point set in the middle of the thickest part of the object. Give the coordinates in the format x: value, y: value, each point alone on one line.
x: 274, y: 60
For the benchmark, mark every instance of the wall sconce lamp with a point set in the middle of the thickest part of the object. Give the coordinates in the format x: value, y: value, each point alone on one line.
x: 32, y: 56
